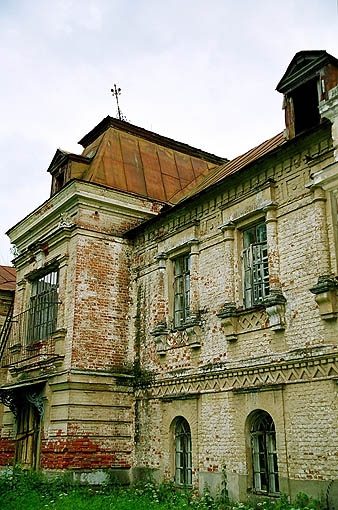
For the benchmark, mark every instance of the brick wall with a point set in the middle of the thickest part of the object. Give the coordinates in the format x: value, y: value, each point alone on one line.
x: 263, y: 369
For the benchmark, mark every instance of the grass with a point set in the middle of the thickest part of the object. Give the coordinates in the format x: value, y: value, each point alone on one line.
x: 26, y: 490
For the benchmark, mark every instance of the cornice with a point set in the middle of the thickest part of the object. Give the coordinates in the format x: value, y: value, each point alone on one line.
x: 50, y: 216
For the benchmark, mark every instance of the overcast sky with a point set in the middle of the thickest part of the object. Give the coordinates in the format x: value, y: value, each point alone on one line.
x: 201, y: 72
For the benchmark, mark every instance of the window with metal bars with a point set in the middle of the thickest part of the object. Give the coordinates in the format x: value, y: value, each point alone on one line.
x: 43, y: 307
x: 255, y: 265
x: 264, y: 454
x: 181, y: 289
x: 183, y: 455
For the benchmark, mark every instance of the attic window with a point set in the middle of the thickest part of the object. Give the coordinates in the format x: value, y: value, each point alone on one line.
x: 305, y: 104
x: 59, y: 179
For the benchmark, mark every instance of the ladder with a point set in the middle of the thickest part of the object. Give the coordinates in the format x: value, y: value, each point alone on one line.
x: 5, y: 330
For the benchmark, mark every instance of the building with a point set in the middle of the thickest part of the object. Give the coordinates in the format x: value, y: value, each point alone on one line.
x: 7, y: 288
x: 176, y: 312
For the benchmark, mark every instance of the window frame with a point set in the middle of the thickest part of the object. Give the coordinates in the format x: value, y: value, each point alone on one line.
x: 181, y: 289
x: 264, y: 457
x: 43, y: 306
x: 182, y: 453
x: 305, y: 104
x: 255, y: 265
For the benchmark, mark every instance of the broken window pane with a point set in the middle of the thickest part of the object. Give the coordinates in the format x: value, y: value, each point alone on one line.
x: 264, y: 454
x: 181, y: 289
x: 255, y: 265
x: 183, y: 454
x: 43, y: 307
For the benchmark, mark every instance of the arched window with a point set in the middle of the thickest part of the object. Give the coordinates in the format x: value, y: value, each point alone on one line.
x: 183, y: 469
x: 264, y: 454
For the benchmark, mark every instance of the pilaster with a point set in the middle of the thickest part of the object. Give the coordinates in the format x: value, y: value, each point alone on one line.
x: 228, y: 231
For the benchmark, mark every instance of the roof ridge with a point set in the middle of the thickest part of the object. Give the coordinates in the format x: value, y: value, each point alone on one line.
x: 150, y: 136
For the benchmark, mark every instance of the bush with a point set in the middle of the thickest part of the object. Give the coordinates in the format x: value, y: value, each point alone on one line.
x: 28, y: 490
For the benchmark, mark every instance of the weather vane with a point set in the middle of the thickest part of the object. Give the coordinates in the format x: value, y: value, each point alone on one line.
x: 116, y: 92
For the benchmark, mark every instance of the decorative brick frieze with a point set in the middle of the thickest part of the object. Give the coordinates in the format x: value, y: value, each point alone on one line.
x: 301, y: 370
x: 189, y: 335
x: 236, y: 321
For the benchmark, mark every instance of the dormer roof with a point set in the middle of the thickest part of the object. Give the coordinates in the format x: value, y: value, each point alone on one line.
x: 304, y: 65
x: 61, y: 157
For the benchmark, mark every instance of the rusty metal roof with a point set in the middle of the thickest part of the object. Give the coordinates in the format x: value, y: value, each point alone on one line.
x: 232, y: 167
x: 121, y: 125
x: 135, y: 160
x: 129, y: 158
x: 7, y: 278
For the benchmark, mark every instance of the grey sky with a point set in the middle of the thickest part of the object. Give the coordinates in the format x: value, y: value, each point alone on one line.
x: 203, y: 73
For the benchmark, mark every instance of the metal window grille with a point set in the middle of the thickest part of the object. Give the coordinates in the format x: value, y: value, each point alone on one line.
x: 255, y: 265
x: 183, y: 456
x: 43, y: 307
x: 181, y: 290
x: 264, y: 455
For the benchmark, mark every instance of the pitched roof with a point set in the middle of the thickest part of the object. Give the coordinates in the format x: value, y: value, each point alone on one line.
x: 7, y: 278
x: 135, y: 160
x: 121, y: 125
x: 232, y: 167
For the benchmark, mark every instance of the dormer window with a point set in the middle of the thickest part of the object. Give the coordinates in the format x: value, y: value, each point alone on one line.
x: 307, y: 81
x: 59, y: 179
x: 305, y: 106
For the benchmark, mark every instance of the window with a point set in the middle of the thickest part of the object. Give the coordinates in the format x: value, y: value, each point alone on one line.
x: 59, y: 179
x: 305, y: 104
x: 43, y: 307
x: 181, y: 289
x: 183, y: 468
x: 255, y: 265
x: 264, y: 454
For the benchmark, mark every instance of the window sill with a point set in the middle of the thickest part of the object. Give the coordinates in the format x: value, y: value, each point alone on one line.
x: 15, y: 348
x: 231, y: 310
x: 264, y: 494
x: 193, y: 345
x: 32, y: 346
x: 273, y: 306
x: 190, y: 322
x: 190, y: 333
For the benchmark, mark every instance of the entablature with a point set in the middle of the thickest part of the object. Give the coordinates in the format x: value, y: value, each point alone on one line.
x: 63, y: 210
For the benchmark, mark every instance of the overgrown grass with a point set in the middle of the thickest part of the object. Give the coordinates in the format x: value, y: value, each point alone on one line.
x: 27, y: 490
